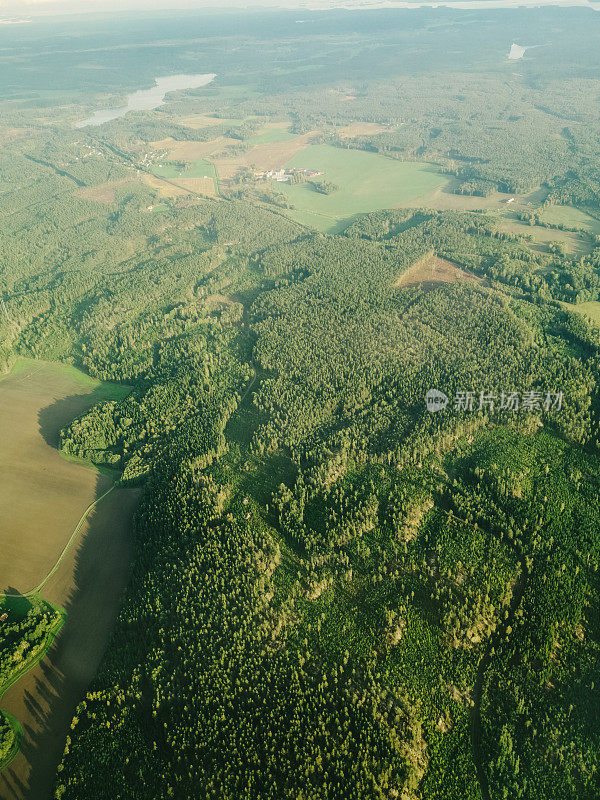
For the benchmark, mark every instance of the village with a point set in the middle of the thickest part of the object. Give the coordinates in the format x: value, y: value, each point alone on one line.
x: 291, y: 175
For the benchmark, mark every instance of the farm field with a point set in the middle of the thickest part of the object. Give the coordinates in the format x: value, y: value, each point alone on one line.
x: 164, y: 189
x: 88, y: 584
x: 270, y: 135
x: 361, y: 129
x: 42, y: 496
x: 270, y: 149
x: 199, y: 121
x: 273, y: 155
x: 198, y: 169
x: 367, y: 182
x: 200, y: 176
x: 191, y: 151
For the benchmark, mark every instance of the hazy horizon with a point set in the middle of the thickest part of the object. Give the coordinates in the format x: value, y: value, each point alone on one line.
x: 22, y: 10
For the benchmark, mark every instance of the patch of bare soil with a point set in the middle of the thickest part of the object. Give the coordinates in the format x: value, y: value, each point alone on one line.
x: 431, y: 270
x: 103, y: 193
x: 361, y: 129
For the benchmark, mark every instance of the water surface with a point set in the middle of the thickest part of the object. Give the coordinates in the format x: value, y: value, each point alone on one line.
x: 147, y: 99
x: 516, y: 52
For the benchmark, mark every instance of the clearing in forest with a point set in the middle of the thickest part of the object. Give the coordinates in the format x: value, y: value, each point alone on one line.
x: 591, y: 310
x: 570, y: 217
x: 365, y: 182
x: 431, y: 270
x: 361, y: 129
x: 103, y: 192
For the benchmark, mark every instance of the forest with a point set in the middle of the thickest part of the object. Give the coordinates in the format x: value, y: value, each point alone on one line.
x: 335, y: 593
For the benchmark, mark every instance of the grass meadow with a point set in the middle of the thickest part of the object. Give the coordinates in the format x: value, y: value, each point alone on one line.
x: 571, y: 217
x: 366, y: 182
x: 199, y: 168
x: 591, y: 310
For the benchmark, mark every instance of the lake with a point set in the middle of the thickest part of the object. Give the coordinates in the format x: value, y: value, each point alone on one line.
x: 516, y: 52
x: 147, y: 99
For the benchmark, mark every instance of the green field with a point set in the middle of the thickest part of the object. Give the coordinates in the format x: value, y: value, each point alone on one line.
x: 197, y: 169
x: 367, y: 182
x: 571, y: 217
x: 270, y: 136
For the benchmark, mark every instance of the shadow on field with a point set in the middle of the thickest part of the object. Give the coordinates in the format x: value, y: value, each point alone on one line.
x: 63, y: 412
x: 15, y: 602
x: 88, y: 584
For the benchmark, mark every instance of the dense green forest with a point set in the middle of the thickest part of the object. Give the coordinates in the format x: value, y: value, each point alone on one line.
x: 335, y: 593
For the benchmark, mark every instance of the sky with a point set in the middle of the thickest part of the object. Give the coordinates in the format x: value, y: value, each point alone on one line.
x: 27, y: 8
x: 13, y: 10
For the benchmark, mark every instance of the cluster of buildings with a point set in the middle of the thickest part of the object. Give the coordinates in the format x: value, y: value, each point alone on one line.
x: 150, y: 158
x: 287, y: 175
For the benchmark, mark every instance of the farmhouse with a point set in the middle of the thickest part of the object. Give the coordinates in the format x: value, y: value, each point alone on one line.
x: 287, y: 175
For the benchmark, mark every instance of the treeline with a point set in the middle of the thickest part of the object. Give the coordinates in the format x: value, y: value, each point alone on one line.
x: 23, y: 635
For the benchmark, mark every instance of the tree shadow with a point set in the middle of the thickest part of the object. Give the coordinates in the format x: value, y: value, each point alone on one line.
x: 60, y: 414
x: 88, y: 584
x: 15, y: 603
